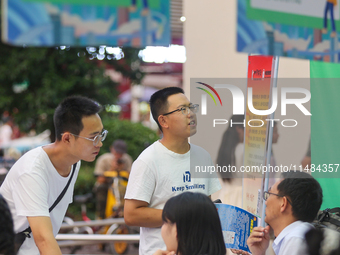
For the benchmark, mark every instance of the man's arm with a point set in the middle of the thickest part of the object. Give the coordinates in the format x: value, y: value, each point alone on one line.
x: 138, y: 213
x: 42, y: 231
x: 258, y: 240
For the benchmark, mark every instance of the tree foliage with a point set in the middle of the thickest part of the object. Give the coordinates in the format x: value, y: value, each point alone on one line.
x: 51, y: 74
x: 137, y: 136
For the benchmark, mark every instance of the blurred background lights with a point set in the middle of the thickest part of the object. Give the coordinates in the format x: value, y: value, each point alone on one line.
x: 183, y: 18
x: 113, y: 108
x: 157, y: 54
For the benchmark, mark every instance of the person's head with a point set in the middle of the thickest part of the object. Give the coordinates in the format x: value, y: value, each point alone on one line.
x: 118, y: 148
x: 192, y: 225
x: 170, y: 109
x: 78, y: 124
x: 231, y: 138
x: 323, y: 241
x: 297, y: 196
x: 6, y: 230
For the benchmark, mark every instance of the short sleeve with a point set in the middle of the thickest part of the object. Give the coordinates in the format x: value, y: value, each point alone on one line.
x: 30, y: 196
x: 142, y: 182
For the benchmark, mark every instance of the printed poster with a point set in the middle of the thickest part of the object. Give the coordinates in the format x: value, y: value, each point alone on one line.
x: 259, y: 79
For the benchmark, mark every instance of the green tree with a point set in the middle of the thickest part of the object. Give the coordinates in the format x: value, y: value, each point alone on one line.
x: 34, y: 80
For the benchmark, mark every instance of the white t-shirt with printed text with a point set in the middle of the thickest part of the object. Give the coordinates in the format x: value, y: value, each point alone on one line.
x: 159, y: 174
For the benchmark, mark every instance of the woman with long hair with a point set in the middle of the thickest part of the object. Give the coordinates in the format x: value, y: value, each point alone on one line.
x: 230, y: 155
x: 191, y: 226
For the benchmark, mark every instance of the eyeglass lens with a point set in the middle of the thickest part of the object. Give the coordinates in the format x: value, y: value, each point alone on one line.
x: 186, y: 109
x: 100, y: 137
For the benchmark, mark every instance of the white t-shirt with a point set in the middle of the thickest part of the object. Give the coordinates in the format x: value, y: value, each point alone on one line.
x: 159, y: 174
x: 30, y: 188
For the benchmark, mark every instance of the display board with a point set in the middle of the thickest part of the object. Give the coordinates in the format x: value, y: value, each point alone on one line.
x: 86, y: 23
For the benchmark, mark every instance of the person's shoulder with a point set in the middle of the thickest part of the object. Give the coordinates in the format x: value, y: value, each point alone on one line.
x: 298, y: 229
x: 198, y: 149
x: 150, y: 150
x: 34, y: 153
x: 33, y: 161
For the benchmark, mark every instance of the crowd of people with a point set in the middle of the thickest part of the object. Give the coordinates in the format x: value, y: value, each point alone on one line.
x: 174, y: 210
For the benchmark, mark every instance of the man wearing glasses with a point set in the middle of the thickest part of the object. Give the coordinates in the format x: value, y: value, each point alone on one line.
x: 163, y: 169
x: 291, y: 203
x: 38, y: 178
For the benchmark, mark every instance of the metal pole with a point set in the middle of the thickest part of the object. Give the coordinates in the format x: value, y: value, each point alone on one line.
x: 270, y: 138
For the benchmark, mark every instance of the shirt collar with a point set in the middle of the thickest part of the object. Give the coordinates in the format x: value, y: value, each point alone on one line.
x: 278, y: 240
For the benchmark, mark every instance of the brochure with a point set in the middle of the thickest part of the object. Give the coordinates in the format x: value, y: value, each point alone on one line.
x: 237, y: 225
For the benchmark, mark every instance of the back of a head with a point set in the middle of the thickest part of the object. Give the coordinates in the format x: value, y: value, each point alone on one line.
x: 119, y: 146
x: 323, y: 242
x: 6, y: 229
x: 304, y: 192
x: 198, y: 225
x: 159, y: 101
x: 69, y: 113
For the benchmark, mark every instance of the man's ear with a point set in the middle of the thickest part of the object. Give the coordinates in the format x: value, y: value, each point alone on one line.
x: 284, y: 204
x: 66, y: 137
x: 163, y: 121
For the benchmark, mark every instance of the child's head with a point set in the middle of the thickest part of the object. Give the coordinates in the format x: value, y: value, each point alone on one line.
x: 192, y: 225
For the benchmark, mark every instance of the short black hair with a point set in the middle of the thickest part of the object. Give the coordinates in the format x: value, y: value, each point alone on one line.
x: 304, y: 192
x: 159, y: 101
x: 69, y: 113
x: 198, y: 225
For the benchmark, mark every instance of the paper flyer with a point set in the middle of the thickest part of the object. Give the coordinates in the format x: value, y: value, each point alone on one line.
x: 237, y: 224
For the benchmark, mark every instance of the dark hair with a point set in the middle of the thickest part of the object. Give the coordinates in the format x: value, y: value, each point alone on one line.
x: 7, y: 230
x: 69, y: 113
x: 323, y: 242
x: 119, y: 146
x: 226, y: 152
x: 159, y: 102
x: 304, y: 192
x: 198, y: 225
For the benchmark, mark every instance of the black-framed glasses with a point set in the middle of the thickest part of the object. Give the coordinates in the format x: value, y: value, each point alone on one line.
x: 96, y: 139
x: 266, y: 195
x: 185, y: 109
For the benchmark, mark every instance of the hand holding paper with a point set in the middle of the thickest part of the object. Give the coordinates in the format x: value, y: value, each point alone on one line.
x: 258, y: 240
